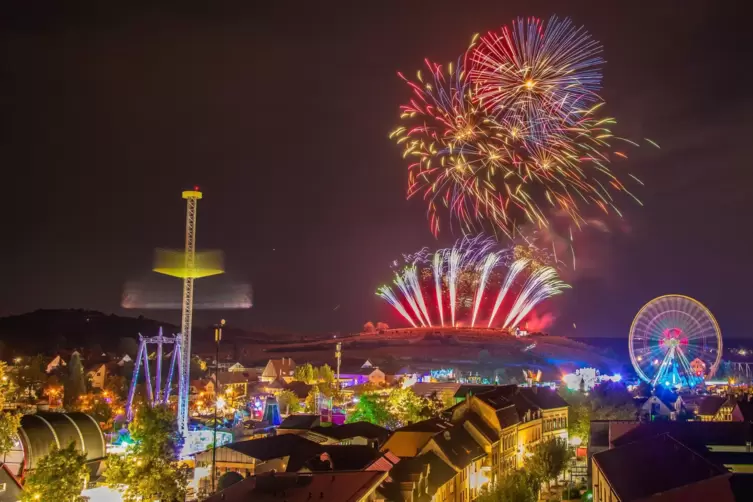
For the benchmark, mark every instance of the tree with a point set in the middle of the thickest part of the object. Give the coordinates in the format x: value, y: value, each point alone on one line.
x: 381, y: 326
x: 549, y: 459
x: 326, y: 375
x: 309, y: 405
x: 117, y: 386
x: 151, y: 470
x: 369, y: 327
x: 516, y: 486
x: 9, y: 422
x: 288, y: 402
x: 372, y: 408
x: 304, y: 373
x: 579, y: 422
x: 407, y: 407
x: 31, y: 376
x: 75, y: 384
x: 60, y: 475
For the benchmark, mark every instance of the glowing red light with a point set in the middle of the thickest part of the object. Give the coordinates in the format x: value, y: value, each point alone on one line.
x: 196, y: 188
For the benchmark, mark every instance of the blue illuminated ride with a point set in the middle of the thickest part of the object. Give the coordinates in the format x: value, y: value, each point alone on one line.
x: 675, y: 341
x: 161, y: 393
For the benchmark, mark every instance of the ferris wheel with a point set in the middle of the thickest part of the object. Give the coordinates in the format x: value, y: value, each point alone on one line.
x: 675, y: 341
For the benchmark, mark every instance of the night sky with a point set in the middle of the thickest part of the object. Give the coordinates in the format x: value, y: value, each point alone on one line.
x: 280, y: 111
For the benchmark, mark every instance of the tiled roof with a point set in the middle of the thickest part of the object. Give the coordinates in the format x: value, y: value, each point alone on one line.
x: 426, y: 389
x: 342, y: 458
x: 543, y: 397
x: 300, y: 422
x: 355, y: 429
x: 644, y: 468
x: 430, y: 425
x: 300, y: 487
x: 275, y: 447
x: 458, y: 446
x: 710, y: 405
x: 439, y: 472
x: 464, y: 390
x: 692, y: 434
x: 482, y: 427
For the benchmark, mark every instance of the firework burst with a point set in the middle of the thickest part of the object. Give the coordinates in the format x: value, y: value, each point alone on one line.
x: 539, y: 73
x: 511, y: 132
x: 472, y: 280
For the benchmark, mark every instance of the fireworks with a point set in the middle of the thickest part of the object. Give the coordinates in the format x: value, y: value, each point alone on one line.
x: 536, y: 73
x: 511, y: 132
x: 474, y: 279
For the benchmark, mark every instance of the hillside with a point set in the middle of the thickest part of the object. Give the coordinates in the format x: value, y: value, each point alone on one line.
x: 47, y: 331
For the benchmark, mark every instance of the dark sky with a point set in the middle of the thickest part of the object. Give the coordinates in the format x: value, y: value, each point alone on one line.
x: 280, y: 112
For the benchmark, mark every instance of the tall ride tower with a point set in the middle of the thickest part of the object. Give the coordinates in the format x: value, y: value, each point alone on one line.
x: 192, y: 198
x: 188, y: 266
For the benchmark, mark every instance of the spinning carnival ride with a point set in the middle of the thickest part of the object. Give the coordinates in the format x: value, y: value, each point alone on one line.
x: 675, y: 341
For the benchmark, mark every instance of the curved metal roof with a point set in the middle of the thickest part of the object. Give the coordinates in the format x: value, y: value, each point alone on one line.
x: 42, y: 431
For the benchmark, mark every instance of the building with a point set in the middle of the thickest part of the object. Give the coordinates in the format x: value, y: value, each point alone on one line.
x: 358, y: 433
x: 458, y: 449
x: 278, y: 368
x: 97, y: 374
x: 408, y: 441
x: 293, y: 453
x: 10, y: 485
x: 660, y: 469
x: 655, y: 407
x: 40, y: 432
x: 301, y: 487
x: 298, y: 424
x: 422, y: 478
x: 261, y: 455
x: 236, y: 381
x: 362, y: 375
x: 493, y: 421
x: 710, y: 409
x: 56, y: 363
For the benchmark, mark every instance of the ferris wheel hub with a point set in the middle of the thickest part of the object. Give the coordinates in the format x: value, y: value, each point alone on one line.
x: 675, y: 340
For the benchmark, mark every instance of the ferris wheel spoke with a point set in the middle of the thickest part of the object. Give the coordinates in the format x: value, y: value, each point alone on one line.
x: 671, y: 337
x: 663, y: 366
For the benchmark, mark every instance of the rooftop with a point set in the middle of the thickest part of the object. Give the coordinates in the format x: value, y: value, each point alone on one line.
x: 458, y: 446
x: 709, y: 405
x: 657, y: 464
x: 354, y: 429
x: 429, y: 425
x: 295, y: 487
x: 300, y: 422
x: 341, y: 458
x: 693, y: 434
x: 276, y: 447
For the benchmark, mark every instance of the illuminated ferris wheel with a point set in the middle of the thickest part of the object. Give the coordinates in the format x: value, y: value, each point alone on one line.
x: 675, y: 341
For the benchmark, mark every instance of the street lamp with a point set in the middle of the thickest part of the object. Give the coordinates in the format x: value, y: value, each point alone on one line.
x: 217, y: 339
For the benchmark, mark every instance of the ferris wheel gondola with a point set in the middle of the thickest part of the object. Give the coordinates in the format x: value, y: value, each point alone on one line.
x: 675, y: 341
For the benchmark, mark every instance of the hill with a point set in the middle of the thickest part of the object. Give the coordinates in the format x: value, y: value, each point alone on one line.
x: 48, y: 331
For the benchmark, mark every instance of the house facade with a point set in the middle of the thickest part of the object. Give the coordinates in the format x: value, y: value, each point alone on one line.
x: 282, y: 369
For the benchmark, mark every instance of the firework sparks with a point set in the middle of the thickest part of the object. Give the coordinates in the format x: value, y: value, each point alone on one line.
x: 512, y: 131
x: 464, y: 274
x: 537, y: 73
